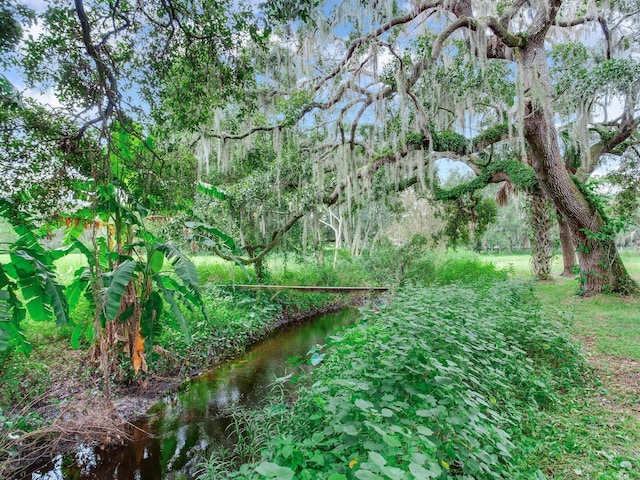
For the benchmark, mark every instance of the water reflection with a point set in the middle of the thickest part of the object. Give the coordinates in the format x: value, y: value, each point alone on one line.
x: 192, y: 420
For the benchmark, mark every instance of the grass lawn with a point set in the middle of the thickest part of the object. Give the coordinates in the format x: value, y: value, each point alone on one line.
x: 607, y: 323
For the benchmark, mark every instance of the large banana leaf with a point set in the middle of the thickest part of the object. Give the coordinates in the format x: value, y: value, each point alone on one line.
x: 21, y: 223
x: 11, y: 314
x: 149, y: 320
x: 214, y: 238
x: 4, y: 336
x: 117, y: 280
x: 156, y: 261
x: 185, y: 270
x: 58, y: 300
x: 169, y: 294
x: 33, y: 268
x: 77, y: 286
x: 9, y: 331
x: 188, y: 295
x: 216, y: 233
x: 43, y: 295
x: 5, y: 319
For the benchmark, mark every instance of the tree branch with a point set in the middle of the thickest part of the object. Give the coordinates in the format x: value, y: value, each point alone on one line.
x: 510, y: 12
x: 465, y: 22
x: 375, y: 33
x: 108, y: 80
x: 544, y: 18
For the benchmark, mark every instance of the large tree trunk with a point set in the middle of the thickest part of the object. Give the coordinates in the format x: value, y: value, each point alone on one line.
x: 541, y: 226
x: 601, y: 268
x: 568, y: 248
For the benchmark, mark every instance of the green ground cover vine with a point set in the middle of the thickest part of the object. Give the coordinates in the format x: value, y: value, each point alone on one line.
x: 443, y: 384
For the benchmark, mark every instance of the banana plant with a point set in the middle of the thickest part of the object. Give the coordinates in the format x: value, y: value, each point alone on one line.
x: 134, y: 281
x: 28, y: 282
x: 136, y: 290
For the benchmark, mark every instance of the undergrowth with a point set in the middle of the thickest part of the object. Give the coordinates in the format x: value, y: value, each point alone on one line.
x: 237, y: 318
x: 448, y: 382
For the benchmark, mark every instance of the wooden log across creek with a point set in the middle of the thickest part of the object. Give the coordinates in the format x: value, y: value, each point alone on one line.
x: 312, y: 289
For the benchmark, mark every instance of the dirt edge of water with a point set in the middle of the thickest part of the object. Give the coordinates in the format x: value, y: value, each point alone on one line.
x: 134, y: 402
x: 78, y: 412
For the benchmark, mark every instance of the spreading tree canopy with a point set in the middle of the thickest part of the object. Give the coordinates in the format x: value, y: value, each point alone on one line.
x: 308, y: 106
x: 537, y: 93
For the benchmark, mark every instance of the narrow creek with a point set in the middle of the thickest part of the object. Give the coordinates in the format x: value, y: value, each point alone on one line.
x: 188, y: 423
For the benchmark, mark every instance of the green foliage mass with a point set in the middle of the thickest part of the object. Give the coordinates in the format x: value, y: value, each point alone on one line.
x: 292, y: 107
x: 466, y: 219
x: 436, y: 386
x: 466, y: 269
x: 464, y: 206
x: 12, y: 15
x: 491, y: 135
x: 28, y: 282
x: 580, y: 73
x: 389, y: 265
x: 441, y: 141
x: 449, y: 141
x: 627, y: 178
x: 519, y: 174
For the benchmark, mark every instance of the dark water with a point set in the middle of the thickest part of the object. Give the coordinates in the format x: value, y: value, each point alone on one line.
x: 190, y: 422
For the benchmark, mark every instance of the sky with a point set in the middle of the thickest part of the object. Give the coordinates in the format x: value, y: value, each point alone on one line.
x: 46, y: 97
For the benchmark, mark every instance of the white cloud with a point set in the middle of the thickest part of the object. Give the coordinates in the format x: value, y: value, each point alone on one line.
x: 47, y: 99
x: 37, y: 5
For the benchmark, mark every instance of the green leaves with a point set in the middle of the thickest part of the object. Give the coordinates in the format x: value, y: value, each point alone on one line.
x: 219, y: 237
x: 170, y: 289
x: 151, y: 313
x: 156, y: 261
x: 29, y: 280
x: 363, y: 404
x: 212, y: 191
x: 9, y: 95
x: 185, y: 270
x: 10, y: 315
x: 117, y: 280
x: 431, y: 387
x: 272, y: 470
x: 43, y: 296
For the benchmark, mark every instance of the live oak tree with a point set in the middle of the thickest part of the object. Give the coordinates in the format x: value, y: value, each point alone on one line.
x: 383, y: 89
x: 372, y: 96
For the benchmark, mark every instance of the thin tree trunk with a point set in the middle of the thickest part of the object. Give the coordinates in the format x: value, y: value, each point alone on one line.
x: 568, y: 248
x: 541, y: 225
x: 355, y: 245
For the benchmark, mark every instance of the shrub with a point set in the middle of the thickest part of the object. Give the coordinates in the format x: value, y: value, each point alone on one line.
x: 467, y: 269
x: 388, y: 264
x: 422, y: 271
